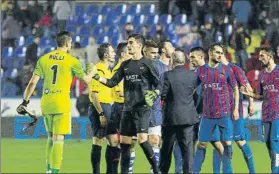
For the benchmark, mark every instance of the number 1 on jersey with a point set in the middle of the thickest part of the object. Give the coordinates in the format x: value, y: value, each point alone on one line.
x: 55, y: 69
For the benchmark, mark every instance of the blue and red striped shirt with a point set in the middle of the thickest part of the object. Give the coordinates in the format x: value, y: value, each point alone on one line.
x: 269, y: 87
x: 216, y: 82
x: 241, y: 81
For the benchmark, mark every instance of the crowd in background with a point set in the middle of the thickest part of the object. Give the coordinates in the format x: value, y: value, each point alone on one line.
x: 241, y: 25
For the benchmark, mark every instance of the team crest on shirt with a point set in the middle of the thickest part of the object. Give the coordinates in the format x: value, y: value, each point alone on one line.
x: 46, y: 91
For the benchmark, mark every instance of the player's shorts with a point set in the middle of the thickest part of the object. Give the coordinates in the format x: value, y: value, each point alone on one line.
x: 58, y: 123
x: 156, y: 130
x: 238, y: 129
x: 114, y: 122
x: 196, y: 129
x: 218, y: 129
x: 135, y: 121
x: 94, y: 117
x: 271, y: 131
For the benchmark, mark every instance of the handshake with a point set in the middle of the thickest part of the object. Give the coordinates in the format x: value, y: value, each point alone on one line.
x: 92, y: 70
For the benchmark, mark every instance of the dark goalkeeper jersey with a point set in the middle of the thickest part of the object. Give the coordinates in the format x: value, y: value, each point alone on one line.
x: 139, y: 76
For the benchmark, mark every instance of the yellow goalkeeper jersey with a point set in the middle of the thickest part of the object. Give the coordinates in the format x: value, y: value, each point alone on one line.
x: 118, y: 88
x: 57, y: 68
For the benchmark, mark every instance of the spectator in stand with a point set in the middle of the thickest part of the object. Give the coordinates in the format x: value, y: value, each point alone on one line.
x: 276, y: 57
x: 34, y: 12
x: 159, y: 35
x: 237, y: 42
x: 272, y: 33
x: 78, y: 52
x: 45, y: 23
x: 31, y: 55
x: 62, y: 10
x: 91, y: 51
x: 208, y: 33
x: 274, y: 12
x: 7, y: 6
x: 10, y: 30
x: 128, y: 30
x: 144, y: 32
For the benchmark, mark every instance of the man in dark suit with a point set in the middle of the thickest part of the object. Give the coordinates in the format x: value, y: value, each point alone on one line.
x: 179, y: 113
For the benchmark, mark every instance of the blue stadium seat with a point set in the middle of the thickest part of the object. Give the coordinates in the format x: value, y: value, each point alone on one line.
x: 125, y: 19
x: 92, y: 9
x: 45, y: 41
x: 96, y: 19
x: 115, y: 40
x: 152, y: 20
x: 120, y: 9
x: 20, y: 63
x: 102, y: 39
x: 98, y: 30
x: 138, y: 20
x: 134, y: 9
x: 76, y: 38
x: 80, y: 19
x: 28, y: 40
x: 148, y: 9
x: 165, y: 19
x: 180, y: 19
x: 71, y: 28
x: 152, y: 30
x: 79, y: 9
x: 113, y: 30
x: 20, y: 41
x: 111, y: 19
x: 47, y: 50
x: 20, y: 52
x: 169, y: 28
x: 228, y: 30
x: 7, y: 52
x: 84, y: 30
x: 105, y: 9
x: 71, y: 21
x: 84, y: 42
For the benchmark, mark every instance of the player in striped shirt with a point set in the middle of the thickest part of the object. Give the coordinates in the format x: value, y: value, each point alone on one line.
x: 216, y: 123
x: 268, y: 91
x: 239, y: 131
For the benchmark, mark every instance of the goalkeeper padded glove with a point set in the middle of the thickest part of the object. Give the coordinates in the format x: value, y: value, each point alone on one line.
x: 21, y: 108
x: 89, y: 67
x: 150, y: 97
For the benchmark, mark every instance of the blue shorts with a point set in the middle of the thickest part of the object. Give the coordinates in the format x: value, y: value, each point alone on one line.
x: 218, y: 129
x: 238, y: 129
x: 271, y: 131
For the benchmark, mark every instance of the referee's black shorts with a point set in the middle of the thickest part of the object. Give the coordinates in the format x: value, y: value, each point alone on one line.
x: 135, y: 121
x: 94, y: 118
x: 114, y: 122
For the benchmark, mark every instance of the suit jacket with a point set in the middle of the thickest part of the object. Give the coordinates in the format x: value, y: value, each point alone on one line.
x: 178, y: 89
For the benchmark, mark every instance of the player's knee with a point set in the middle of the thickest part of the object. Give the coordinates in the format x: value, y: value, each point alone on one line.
x: 57, y: 137
x: 142, y: 137
x: 240, y: 143
x: 227, y: 143
x: 202, y: 144
x: 154, y: 140
x: 113, y: 140
x: 133, y: 145
x: 125, y: 139
x: 98, y: 141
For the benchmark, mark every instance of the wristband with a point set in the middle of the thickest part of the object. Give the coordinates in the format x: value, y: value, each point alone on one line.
x: 101, y: 114
x: 96, y: 77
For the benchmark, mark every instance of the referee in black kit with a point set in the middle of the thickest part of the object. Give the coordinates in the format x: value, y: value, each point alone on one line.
x: 179, y: 113
x: 141, y: 89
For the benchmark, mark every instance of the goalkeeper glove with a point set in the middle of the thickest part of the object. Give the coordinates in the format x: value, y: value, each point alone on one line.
x: 21, y: 109
x: 150, y: 97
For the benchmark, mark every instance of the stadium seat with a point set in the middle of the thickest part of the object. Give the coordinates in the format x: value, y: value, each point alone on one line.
x: 125, y: 19
x: 105, y: 9
x: 138, y: 20
x: 76, y: 38
x: 152, y: 20
x: 111, y: 19
x: 84, y: 30
x: 98, y: 30
x: 120, y: 9
x: 71, y: 21
x: 7, y: 52
x: 20, y: 52
x: 148, y: 9
x: 71, y: 29
x: 152, y: 30
x: 113, y: 30
x: 180, y: 19
x: 115, y: 40
x: 134, y: 9
x: 169, y: 28
x: 80, y: 19
x: 44, y: 41
x: 79, y: 9
x: 165, y: 19
x: 102, y: 39
x: 84, y: 42
x: 28, y: 40
x: 96, y: 19
x: 20, y: 41
x: 20, y: 63
x: 47, y: 50
x: 92, y: 9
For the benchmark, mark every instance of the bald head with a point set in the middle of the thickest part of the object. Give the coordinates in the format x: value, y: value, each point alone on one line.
x: 178, y: 58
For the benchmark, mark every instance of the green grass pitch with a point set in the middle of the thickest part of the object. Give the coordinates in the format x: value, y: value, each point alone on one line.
x: 28, y: 156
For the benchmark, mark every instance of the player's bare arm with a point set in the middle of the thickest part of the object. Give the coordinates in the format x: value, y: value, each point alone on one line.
x: 251, y: 107
x: 249, y: 93
x: 236, y: 101
x: 91, y: 71
x: 97, y: 105
x: 31, y: 87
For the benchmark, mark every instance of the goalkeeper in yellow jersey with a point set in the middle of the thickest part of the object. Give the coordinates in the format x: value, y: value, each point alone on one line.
x: 57, y: 68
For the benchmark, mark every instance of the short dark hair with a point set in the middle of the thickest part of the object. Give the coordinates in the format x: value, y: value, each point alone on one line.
x: 138, y: 38
x: 268, y: 49
x: 150, y: 44
x: 212, y: 47
x: 103, y: 48
x: 121, y: 48
x: 200, y: 49
x: 62, y: 37
x: 162, y: 45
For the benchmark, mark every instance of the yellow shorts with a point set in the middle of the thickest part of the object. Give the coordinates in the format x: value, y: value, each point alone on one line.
x: 58, y: 123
